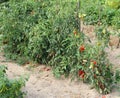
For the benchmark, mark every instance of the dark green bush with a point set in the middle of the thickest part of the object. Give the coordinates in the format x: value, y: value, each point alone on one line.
x: 29, y: 27
x: 2, y: 1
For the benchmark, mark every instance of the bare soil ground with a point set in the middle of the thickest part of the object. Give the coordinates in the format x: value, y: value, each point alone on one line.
x: 42, y: 83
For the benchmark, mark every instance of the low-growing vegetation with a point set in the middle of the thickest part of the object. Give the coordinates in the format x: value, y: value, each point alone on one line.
x: 10, y: 88
x: 48, y: 32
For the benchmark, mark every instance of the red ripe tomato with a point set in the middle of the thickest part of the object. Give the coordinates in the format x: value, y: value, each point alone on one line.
x: 94, y: 62
x: 82, y: 48
x: 82, y: 76
x: 81, y: 73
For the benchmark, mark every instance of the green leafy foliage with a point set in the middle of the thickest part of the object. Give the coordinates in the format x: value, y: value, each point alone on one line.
x: 113, y: 3
x: 29, y: 27
x: 117, y: 76
x: 100, y: 12
x: 10, y: 88
x: 47, y: 32
x: 103, y: 35
x: 86, y: 62
x: 2, y: 1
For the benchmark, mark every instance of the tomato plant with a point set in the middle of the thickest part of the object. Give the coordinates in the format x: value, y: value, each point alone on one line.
x: 104, y: 11
x: 10, y: 88
x: 47, y: 31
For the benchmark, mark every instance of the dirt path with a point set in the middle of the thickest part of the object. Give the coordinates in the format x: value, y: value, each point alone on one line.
x: 42, y: 84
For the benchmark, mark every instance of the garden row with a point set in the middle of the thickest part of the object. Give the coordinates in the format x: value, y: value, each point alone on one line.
x: 47, y: 32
